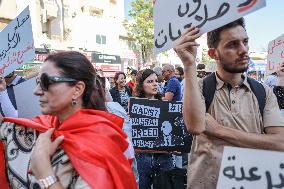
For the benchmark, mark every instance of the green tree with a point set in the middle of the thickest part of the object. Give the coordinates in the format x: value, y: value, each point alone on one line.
x: 141, y: 28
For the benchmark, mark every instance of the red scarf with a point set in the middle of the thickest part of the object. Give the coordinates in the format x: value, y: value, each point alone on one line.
x: 94, y: 142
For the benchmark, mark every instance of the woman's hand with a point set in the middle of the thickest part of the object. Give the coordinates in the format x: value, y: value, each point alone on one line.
x: 186, y: 46
x: 42, y: 152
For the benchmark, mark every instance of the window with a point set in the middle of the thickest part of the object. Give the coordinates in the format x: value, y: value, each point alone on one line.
x: 101, y: 39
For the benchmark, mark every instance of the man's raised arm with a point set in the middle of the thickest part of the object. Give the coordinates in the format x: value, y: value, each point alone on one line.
x: 193, y: 108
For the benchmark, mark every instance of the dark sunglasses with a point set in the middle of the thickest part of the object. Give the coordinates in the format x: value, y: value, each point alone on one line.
x: 44, y: 81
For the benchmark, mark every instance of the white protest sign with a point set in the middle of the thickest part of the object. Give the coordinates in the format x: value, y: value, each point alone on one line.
x: 243, y: 168
x: 27, y: 102
x: 275, y: 55
x: 17, y: 44
x: 172, y: 17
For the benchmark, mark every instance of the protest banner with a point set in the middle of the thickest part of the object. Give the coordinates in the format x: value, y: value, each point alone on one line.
x: 243, y: 168
x: 158, y: 125
x: 17, y: 44
x: 171, y: 18
x: 275, y: 54
x: 27, y: 102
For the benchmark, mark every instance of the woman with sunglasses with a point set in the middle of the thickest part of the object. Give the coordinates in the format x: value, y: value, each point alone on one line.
x: 150, y: 164
x: 75, y: 143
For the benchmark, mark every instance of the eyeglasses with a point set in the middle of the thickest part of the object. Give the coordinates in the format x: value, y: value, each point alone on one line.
x: 44, y: 81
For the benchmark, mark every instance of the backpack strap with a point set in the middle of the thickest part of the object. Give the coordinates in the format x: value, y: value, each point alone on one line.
x: 209, y: 88
x: 259, y: 91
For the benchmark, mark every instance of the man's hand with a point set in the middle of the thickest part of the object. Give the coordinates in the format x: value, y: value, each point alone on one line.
x: 2, y: 84
x: 211, y: 125
x: 186, y: 47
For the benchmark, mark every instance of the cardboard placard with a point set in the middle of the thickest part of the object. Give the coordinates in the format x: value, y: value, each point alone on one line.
x: 158, y: 125
x: 17, y: 44
x: 172, y: 17
x: 244, y: 168
x: 275, y: 55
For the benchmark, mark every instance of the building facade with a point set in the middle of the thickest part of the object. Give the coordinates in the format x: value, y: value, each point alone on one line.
x: 89, y: 26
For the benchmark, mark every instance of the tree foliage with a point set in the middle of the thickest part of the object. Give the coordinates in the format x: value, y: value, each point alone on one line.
x: 141, y: 28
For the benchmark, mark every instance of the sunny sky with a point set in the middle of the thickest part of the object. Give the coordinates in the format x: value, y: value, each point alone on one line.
x: 263, y: 25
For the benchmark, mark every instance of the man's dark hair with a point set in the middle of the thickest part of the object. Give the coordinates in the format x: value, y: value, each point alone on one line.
x: 133, y: 72
x: 200, y: 66
x: 213, y: 37
x: 180, y: 70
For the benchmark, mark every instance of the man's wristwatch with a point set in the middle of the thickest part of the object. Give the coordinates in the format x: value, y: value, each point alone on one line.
x: 48, y: 181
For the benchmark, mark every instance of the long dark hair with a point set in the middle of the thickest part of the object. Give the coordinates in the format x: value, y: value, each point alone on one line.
x: 75, y: 65
x: 141, y: 76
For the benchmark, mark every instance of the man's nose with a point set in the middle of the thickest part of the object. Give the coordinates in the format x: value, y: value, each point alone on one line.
x: 243, y: 47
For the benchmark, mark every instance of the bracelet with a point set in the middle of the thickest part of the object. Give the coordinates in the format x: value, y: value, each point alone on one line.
x: 48, y: 181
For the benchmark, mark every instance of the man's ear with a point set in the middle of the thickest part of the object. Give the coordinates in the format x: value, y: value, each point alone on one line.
x: 213, y: 53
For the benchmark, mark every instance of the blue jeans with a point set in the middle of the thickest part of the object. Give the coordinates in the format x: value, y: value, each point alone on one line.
x: 149, y: 164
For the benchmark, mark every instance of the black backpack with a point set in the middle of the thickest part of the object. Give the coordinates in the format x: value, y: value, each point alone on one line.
x: 209, y: 88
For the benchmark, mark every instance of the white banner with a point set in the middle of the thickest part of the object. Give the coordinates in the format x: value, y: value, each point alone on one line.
x: 172, y: 17
x: 17, y: 44
x: 275, y: 55
x: 244, y: 168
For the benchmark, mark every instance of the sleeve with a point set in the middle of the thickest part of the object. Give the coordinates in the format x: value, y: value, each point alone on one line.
x: 81, y: 184
x: 111, y: 91
x: 7, y: 106
x: 200, y: 84
x: 5, y: 128
x: 272, y: 114
x: 172, y: 86
x: 108, y: 96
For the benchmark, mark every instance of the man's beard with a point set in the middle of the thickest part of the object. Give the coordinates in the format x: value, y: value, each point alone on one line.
x: 230, y: 67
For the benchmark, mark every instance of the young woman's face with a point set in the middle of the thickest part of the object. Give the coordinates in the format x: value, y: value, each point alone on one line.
x: 121, y: 80
x: 150, y: 85
x: 177, y: 74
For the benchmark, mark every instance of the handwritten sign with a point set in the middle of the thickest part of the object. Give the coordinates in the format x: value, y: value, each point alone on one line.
x: 275, y: 55
x: 17, y: 44
x: 172, y: 17
x: 158, y: 125
x: 243, y: 168
x: 27, y: 102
